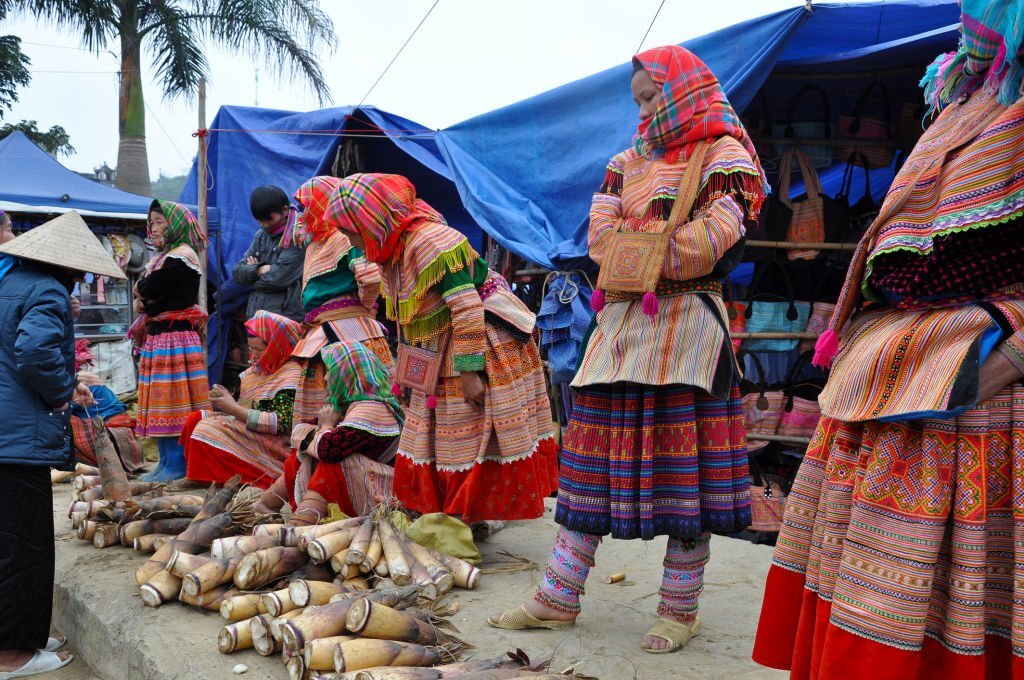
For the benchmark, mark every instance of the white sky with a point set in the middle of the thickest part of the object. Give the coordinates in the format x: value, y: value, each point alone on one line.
x: 471, y: 56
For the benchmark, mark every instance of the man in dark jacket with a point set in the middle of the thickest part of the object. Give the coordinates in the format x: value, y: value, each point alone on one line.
x: 272, y: 269
x: 37, y: 384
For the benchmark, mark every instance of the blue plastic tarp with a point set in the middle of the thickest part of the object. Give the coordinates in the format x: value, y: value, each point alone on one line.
x: 526, y: 172
x: 249, y: 147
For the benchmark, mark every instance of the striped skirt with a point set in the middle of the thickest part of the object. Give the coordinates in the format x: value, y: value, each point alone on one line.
x: 218, y: 447
x: 172, y: 382
x: 902, y: 551
x: 640, y: 461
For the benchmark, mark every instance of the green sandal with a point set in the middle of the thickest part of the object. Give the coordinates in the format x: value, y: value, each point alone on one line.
x: 675, y: 634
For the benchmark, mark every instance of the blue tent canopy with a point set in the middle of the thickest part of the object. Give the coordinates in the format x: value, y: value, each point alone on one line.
x: 249, y: 147
x: 526, y: 172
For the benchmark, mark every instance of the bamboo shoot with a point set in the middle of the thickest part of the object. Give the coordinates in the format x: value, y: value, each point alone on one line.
x: 241, y: 607
x: 439, y: 574
x: 143, y: 527
x: 394, y: 554
x: 279, y: 602
x: 372, y: 620
x: 357, y: 655
x: 263, y: 642
x: 360, y: 543
x: 263, y: 566
x: 327, y: 546
x: 235, y: 637
x: 209, y: 575
x: 162, y: 588
x: 84, y: 469
x: 305, y: 593
x: 106, y: 535
x: 148, y: 544
x: 319, y: 654
x: 181, y: 563
x: 315, y: 623
x: 277, y: 622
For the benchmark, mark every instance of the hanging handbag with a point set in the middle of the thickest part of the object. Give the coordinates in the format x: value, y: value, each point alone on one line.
x: 821, y: 156
x: 801, y: 413
x: 762, y: 127
x: 762, y: 408
x: 634, y: 259
x: 859, y: 216
x: 736, y: 312
x: 769, y: 313
x: 807, y: 223
x: 859, y: 126
x: 767, y: 500
x: 419, y: 368
x: 820, y: 316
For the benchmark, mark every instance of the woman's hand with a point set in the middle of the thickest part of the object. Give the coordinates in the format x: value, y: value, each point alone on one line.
x: 263, y: 269
x: 473, y: 390
x: 222, y: 400
x: 251, y: 260
x: 996, y: 373
x: 83, y: 396
x: 328, y: 418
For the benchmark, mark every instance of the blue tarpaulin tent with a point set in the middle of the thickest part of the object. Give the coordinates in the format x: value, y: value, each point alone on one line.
x: 249, y: 147
x: 526, y: 172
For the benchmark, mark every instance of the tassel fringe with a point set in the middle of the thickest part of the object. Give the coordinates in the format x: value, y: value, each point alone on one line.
x: 826, y: 349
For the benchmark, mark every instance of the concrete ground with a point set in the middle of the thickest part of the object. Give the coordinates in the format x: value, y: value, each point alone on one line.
x: 117, y: 638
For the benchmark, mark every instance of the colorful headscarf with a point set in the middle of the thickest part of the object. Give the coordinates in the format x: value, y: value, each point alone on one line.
x: 314, y: 196
x: 693, y: 106
x: 182, y: 226
x: 991, y: 36
x: 281, y: 335
x: 380, y: 208
x: 355, y: 374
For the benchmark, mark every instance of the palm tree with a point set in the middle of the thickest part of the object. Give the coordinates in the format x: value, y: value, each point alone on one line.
x: 284, y: 33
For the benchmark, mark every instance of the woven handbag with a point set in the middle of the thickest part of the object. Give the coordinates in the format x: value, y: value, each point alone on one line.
x: 767, y: 500
x: 807, y: 223
x: 859, y: 126
x: 634, y: 259
x: 762, y: 408
x: 801, y: 413
x: 859, y: 216
x: 821, y: 156
x: 769, y: 313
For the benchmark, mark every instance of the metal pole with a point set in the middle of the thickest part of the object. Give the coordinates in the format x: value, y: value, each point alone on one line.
x: 201, y: 182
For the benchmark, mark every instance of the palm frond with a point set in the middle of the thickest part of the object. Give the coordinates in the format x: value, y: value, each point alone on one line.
x: 97, y: 20
x: 178, y: 55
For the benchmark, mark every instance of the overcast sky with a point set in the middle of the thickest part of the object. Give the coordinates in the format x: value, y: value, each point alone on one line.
x: 469, y: 57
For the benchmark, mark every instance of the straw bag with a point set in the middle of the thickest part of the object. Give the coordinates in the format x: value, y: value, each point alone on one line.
x: 813, y: 215
x: 821, y: 156
x: 859, y: 126
x: 769, y: 313
x: 634, y: 259
x: 801, y: 413
x: 767, y: 500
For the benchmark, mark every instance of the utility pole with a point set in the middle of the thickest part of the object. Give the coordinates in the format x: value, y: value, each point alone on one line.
x: 201, y: 186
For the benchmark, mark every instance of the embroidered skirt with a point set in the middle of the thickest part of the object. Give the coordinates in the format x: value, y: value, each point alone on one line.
x: 128, y: 448
x: 499, y: 463
x: 218, y: 447
x: 640, y: 461
x: 357, y: 484
x: 902, y: 551
x: 172, y: 382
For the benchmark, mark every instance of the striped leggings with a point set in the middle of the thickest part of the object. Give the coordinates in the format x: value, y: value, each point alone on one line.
x: 682, y: 582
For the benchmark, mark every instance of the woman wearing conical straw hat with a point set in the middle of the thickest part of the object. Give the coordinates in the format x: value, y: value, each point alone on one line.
x: 37, y: 384
x: 169, y: 335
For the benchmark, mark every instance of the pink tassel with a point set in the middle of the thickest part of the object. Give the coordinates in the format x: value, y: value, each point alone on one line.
x: 649, y: 304
x: 431, y: 402
x: 597, y: 301
x: 396, y: 390
x: 826, y: 349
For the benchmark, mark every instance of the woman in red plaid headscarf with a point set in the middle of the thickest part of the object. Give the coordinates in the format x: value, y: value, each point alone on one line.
x: 655, y: 445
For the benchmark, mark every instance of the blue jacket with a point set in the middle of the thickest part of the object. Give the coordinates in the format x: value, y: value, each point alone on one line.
x: 37, y: 368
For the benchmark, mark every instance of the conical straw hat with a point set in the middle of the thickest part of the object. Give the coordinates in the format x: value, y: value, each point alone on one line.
x: 65, y: 242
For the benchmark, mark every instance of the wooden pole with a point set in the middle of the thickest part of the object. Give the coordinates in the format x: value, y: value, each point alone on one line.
x: 201, y: 182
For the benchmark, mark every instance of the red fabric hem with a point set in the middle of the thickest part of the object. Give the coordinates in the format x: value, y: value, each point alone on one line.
x: 328, y: 480
x: 488, y: 491
x: 794, y: 634
x: 210, y: 465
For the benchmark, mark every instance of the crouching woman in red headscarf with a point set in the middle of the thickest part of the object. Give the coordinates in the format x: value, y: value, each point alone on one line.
x: 479, y: 445
x: 656, y: 444
x: 250, y: 437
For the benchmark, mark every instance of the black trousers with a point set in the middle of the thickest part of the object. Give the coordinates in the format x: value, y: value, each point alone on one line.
x: 26, y: 556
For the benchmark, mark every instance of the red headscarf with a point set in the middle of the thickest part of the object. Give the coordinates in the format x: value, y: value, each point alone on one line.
x: 280, y: 333
x: 380, y: 208
x: 693, y: 106
x: 314, y: 196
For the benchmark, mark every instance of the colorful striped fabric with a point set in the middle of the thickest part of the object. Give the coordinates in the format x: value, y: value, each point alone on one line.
x: 172, y: 382
x: 356, y: 377
x: 900, y: 554
x: 314, y: 196
x: 280, y: 335
x: 641, y: 461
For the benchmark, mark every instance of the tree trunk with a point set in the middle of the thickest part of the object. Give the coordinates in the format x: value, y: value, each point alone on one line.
x: 132, y: 159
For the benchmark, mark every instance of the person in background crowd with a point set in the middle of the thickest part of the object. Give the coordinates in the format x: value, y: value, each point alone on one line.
x: 481, y: 447
x: 340, y: 288
x: 656, y: 443
x: 272, y: 269
x: 168, y: 335
x: 37, y: 384
x: 901, y: 553
x: 249, y: 438
x: 343, y: 459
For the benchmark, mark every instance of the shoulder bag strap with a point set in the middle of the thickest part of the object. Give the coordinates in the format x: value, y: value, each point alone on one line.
x: 689, y: 185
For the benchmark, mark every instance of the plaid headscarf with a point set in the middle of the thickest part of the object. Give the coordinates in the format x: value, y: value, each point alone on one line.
x: 314, y: 196
x: 354, y: 374
x: 182, y: 226
x: 281, y: 335
x: 380, y: 208
x: 693, y: 106
x: 991, y: 35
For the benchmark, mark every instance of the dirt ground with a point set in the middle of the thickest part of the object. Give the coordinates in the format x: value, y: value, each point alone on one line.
x: 117, y: 638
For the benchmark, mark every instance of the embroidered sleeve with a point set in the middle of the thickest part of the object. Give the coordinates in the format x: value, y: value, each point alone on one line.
x: 274, y: 416
x: 696, y: 246
x: 467, y: 309
x: 1013, y: 349
x: 367, y: 277
x: 605, y: 211
x: 336, y: 444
